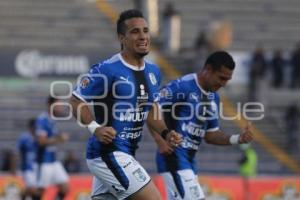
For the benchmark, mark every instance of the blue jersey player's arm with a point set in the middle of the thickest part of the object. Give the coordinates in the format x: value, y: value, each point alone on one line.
x: 157, y: 125
x: 215, y: 136
x: 95, y: 85
x: 42, y: 135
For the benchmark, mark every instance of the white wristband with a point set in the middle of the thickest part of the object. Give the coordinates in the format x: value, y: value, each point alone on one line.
x: 92, y: 126
x: 234, y: 139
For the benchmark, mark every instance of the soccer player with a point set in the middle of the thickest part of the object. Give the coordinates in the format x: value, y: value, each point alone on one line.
x: 122, y: 90
x: 50, y: 171
x: 190, y: 105
x: 27, y: 149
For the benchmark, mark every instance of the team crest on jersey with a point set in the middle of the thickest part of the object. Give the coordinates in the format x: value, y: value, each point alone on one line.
x: 165, y: 93
x: 85, y: 81
x: 139, y: 175
x: 152, y: 79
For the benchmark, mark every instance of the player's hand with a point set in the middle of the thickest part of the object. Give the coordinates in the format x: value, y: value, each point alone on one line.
x: 105, y: 134
x: 247, y: 135
x: 173, y: 139
x: 164, y: 148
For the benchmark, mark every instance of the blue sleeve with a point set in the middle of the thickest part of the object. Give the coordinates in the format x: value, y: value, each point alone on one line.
x: 95, y: 84
x: 213, y: 122
x: 40, y: 126
x: 172, y: 92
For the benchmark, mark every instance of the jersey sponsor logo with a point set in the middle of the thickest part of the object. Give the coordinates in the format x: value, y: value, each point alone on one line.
x: 190, y: 144
x: 130, y: 135
x: 152, y: 79
x: 142, y: 90
x: 193, y: 129
x: 143, y: 97
x: 130, y: 116
x: 139, y: 175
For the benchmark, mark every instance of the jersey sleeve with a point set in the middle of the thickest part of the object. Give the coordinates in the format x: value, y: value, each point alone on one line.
x: 213, y: 121
x: 93, y: 85
x: 171, y: 93
x: 41, y: 126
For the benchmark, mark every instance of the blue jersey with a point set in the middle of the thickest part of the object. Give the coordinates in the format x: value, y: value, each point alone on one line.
x: 190, y: 111
x: 27, y: 148
x: 46, y: 126
x: 122, y: 96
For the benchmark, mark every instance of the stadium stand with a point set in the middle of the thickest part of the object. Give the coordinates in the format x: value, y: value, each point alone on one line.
x: 274, y: 24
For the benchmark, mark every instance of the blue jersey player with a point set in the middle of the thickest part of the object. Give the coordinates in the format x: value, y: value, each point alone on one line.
x: 190, y: 105
x: 122, y: 90
x: 50, y: 171
x: 27, y: 148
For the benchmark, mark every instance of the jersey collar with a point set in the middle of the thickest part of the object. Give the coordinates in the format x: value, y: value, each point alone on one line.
x: 135, y: 68
x: 199, y: 86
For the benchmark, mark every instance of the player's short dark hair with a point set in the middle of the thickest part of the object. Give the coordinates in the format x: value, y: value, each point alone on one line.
x: 51, y: 100
x: 127, y: 14
x: 220, y: 58
x: 31, y: 123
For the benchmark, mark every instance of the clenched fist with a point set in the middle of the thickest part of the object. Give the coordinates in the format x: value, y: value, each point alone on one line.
x: 173, y: 138
x: 105, y: 134
x: 247, y: 135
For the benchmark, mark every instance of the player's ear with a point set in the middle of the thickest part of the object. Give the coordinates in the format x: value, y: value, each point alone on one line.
x: 121, y: 38
x: 207, y: 68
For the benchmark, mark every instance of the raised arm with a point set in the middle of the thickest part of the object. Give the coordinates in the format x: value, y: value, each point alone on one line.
x: 219, y: 138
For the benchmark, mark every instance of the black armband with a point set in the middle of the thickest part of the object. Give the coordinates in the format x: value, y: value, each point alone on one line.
x: 164, y: 133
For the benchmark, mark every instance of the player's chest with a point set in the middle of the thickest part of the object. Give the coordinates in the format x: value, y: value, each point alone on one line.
x: 135, y: 86
x: 198, y: 108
